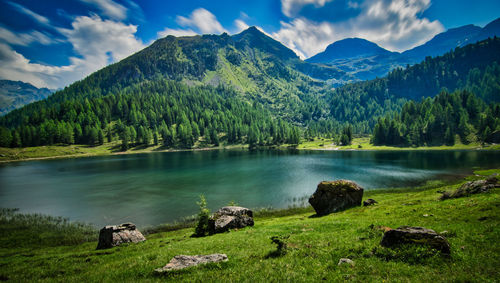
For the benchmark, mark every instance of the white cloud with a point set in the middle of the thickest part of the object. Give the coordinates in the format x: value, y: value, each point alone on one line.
x: 176, y: 32
x: 290, y: 8
x: 39, y: 18
x: 94, y: 37
x: 240, y: 25
x: 109, y: 8
x: 20, y: 69
x: 24, y: 39
x: 396, y: 25
x: 97, y: 42
x: 200, y: 21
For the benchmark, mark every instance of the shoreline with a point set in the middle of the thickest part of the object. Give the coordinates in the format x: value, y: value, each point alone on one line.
x: 109, y: 153
x: 300, y: 147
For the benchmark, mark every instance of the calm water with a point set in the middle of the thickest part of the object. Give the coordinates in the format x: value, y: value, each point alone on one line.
x: 155, y: 188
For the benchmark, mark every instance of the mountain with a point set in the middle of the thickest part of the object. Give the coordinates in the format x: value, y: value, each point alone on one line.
x: 16, y: 94
x: 474, y: 67
x: 490, y: 30
x: 348, y: 49
x: 357, y: 57
x: 443, y: 43
x: 247, y: 88
x: 186, y: 90
x: 364, y: 60
x: 257, y: 66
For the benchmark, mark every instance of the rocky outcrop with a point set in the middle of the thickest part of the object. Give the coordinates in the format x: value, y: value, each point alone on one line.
x: 415, y: 235
x: 184, y: 261
x: 230, y: 217
x: 332, y: 196
x: 369, y: 201
x: 111, y: 236
x: 473, y: 187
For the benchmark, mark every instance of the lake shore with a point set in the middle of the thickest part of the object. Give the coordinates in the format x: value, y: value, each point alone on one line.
x: 81, y: 151
x: 314, y: 245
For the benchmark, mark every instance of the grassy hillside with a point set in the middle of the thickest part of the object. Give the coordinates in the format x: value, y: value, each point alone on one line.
x: 315, y: 245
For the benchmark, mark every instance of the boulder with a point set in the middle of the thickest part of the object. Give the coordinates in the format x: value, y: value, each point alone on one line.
x: 369, y: 201
x: 184, y: 261
x: 111, y: 236
x: 473, y: 187
x: 230, y: 217
x: 415, y: 235
x: 332, y: 196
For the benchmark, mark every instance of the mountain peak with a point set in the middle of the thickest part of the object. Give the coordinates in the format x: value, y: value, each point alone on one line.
x: 254, y: 38
x: 348, y: 48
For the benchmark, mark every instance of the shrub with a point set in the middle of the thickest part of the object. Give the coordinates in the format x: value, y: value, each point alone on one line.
x: 202, y: 227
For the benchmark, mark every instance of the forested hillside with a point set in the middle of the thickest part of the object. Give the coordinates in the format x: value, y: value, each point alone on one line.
x: 474, y: 67
x: 440, y: 120
x: 160, y: 111
x: 246, y: 88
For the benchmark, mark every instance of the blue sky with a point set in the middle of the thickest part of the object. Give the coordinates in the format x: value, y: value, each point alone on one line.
x: 52, y: 43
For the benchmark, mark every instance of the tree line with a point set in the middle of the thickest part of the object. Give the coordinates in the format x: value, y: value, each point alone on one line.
x: 444, y: 119
x: 152, y: 112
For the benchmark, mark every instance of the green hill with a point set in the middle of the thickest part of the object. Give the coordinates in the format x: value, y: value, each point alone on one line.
x: 249, y: 69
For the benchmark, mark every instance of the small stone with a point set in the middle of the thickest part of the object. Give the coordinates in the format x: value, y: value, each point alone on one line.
x: 346, y: 261
x: 369, y: 202
x: 184, y: 261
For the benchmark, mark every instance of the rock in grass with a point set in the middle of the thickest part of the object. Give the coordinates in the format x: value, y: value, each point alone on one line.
x: 473, y: 187
x: 332, y: 196
x: 346, y: 261
x: 369, y: 201
x: 111, y: 236
x: 415, y: 235
x: 230, y: 217
x: 184, y: 261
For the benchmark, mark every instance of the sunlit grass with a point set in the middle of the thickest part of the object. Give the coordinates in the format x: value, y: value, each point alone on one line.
x: 314, y: 246
x: 363, y: 143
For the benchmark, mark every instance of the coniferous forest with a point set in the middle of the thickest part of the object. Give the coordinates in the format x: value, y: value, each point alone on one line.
x: 150, y: 108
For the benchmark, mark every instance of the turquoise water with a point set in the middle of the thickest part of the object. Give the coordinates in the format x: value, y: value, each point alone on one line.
x: 155, y: 188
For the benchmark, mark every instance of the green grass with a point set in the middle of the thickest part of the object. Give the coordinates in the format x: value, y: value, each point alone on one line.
x: 60, y: 151
x: 70, y: 151
x: 364, y: 144
x: 314, y: 246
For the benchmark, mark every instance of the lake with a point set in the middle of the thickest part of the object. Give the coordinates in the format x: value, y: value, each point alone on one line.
x: 155, y: 188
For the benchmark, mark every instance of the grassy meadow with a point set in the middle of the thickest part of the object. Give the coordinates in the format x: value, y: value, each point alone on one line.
x: 73, y: 151
x: 314, y: 245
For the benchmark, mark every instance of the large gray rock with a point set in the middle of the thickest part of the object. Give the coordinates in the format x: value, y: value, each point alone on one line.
x: 332, y: 196
x: 415, y: 235
x: 184, y: 261
x: 230, y: 217
x: 473, y: 187
x: 111, y: 236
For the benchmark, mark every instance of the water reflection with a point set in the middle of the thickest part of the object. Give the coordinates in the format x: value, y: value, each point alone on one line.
x: 155, y: 188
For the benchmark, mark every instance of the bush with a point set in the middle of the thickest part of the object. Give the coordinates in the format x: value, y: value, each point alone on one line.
x: 202, y: 228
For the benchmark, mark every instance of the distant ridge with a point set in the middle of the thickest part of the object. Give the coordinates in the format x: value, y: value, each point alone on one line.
x: 15, y: 94
x: 364, y: 60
